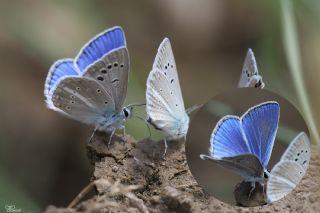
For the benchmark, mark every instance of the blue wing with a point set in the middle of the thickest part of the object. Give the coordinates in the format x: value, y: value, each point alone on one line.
x: 99, y: 46
x: 58, y: 70
x: 260, y: 125
x: 227, y: 138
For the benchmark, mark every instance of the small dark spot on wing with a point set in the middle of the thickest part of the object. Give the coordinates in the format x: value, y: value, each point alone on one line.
x: 114, y: 80
x: 100, y: 78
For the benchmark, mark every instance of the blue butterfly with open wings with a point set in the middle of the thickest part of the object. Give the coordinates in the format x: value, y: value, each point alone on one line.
x: 244, y: 144
x: 92, y: 87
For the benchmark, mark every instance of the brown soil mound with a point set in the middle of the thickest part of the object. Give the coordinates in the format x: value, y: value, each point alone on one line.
x: 132, y: 177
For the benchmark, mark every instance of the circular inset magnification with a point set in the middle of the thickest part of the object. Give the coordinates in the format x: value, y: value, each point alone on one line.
x: 244, y: 120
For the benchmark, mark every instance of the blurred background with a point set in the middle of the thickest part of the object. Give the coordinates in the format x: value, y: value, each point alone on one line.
x: 42, y: 154
x: 219, y: 181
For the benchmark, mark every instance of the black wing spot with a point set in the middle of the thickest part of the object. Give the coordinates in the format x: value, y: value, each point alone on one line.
x: 301, y: 151
x: 72, y: 102
x: 100, y: 78
x: 103, y: 71
x: 304, y: 162
x: 109, y: 66
x: 68, y: 108
x: 166, y: 67
x: 165, y: 73
x: 296, y: 159
x: 77, y: 88
x: 168, y: 64
x: 171, y: 81
x: 106, y: 102
x: 176, y: 105
x: 72, y: 96
x: 115, y: 64
x: 171, y: 66
x: 300, y: 172
x: 298, y: 154
x: 306, y: 151
x: 98, y: 91
x: 171, y: 92
x: 114, y: 80
x: 122, y: 65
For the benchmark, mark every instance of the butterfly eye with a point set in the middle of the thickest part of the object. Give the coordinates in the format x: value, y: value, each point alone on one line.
x: 257, y: 85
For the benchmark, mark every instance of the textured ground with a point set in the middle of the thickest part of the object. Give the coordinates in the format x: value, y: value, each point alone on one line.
x: 132, y: 177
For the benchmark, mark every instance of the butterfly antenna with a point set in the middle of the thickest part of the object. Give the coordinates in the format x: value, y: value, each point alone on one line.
x: 135, y: 105
x: 145, y: 122
x: 193, y: 108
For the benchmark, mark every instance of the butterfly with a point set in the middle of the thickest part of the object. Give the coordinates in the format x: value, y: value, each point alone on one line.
x: 244, y: 144
x: 92, y: 87
x: 164, y: 103
x: 291, y: 168
x: 250, y: 75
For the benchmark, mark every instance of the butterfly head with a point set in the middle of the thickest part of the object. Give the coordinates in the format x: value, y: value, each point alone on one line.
x: 127, y: 112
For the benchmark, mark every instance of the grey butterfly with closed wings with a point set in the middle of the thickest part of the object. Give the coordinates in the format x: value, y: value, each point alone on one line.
x: 250, y: 75
x: 291, y: 168
x: 164, y: 103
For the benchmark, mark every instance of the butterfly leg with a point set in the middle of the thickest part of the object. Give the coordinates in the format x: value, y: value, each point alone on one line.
x: 124, y: 134
x: 93, y: 132
x: 253, y: 186
x: 110, y: 137
x: 149, y: 130
x: 165, y: 148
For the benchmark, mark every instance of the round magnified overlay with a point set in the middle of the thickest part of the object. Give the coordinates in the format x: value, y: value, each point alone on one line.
x: 238, y: 147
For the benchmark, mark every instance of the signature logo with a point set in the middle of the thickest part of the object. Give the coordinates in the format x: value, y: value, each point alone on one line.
x: 12, y: 208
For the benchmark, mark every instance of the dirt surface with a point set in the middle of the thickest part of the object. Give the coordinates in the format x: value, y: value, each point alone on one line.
x: 133, y: 177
